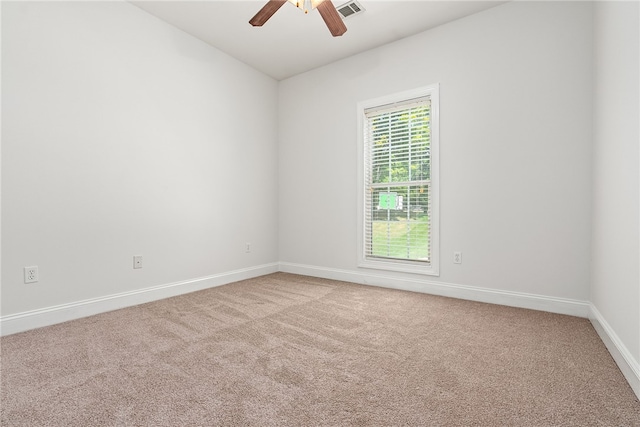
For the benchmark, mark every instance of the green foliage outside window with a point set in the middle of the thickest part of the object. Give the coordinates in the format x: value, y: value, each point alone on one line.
x: 400, y: 157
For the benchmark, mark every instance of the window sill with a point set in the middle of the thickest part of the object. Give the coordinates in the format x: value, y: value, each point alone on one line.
x: 403, y: 267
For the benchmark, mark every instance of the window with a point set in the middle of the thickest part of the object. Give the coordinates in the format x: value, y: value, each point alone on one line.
x: 398, y: 182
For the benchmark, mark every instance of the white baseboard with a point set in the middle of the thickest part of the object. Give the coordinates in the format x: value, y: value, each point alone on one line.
x: 492, y: 296
x: 629, y: 367
x: 20, y: 322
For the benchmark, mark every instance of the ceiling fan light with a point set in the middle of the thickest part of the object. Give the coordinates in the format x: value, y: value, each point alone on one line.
x: 306, y: 5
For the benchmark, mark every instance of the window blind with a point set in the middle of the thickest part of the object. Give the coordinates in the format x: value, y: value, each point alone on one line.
x: 397, y: 142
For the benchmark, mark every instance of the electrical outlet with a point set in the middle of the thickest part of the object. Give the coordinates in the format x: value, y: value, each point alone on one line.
x: 457, y: 257
x: 247, y: 247
x: 31, y: 274
x: 137, y: 261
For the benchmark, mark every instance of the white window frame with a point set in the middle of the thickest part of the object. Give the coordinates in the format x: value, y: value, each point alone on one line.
x: 407, y: 266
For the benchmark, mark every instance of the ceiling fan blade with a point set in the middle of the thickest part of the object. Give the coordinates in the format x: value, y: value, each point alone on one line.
x: 332, y: 18
x: 266, y: 12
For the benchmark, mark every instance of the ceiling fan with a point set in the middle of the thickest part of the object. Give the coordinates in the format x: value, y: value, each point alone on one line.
x: 325, y: 7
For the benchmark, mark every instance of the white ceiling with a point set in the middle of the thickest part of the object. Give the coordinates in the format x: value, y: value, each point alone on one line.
x: 292, y: 42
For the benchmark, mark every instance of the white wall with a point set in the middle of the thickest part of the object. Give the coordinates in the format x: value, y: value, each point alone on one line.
x: 615, y: 266
x: 122, y: 135
x: 515, y: 138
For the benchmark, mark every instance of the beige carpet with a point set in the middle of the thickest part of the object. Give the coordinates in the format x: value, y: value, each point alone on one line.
x: 293, y: 350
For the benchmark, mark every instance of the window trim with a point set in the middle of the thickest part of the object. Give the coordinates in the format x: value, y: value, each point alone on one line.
x: 406, y: 266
